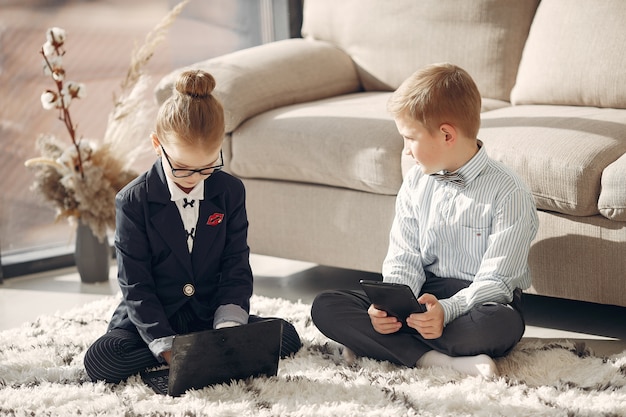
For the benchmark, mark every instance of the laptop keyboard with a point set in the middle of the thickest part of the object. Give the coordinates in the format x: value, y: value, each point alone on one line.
x: 160, y: 382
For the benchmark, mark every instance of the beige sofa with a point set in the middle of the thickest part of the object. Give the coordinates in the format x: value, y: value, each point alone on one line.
x: 308, y: 132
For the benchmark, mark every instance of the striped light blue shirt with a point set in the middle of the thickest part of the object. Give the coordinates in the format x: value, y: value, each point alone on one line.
x: 480, y: 232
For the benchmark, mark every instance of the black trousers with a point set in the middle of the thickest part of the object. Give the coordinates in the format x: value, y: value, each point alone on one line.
x: 492, y: 328
x: 120, y: 353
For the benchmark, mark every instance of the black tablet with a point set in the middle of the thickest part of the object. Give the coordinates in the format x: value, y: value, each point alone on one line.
x: 397, y: 300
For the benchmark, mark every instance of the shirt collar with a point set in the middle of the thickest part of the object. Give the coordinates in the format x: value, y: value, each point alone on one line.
x: 471, y: 169
x: 176, y: 194
x: 474, y: 166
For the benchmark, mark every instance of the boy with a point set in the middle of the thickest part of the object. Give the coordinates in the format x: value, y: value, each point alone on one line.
x: 460, y: 239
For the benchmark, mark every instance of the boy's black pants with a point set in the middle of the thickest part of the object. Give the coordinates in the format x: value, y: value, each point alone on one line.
x: 492, y: 328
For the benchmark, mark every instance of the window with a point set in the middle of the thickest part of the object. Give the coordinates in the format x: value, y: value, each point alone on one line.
x: 101, y: 36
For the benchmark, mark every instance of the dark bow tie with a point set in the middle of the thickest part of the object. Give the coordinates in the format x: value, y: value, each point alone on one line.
x: 188, y: 203
x: 451, y: 177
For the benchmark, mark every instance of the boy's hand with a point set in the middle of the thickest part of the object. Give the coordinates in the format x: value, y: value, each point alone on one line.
x: 429, y: 324
x: 167, y: 355
x: 382, y: 323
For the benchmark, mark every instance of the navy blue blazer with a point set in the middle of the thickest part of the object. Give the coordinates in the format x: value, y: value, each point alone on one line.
x: 156, y: 272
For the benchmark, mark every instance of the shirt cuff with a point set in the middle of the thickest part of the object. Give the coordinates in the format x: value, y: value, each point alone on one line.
x: 229, y: 313
x: 451, y: 310
x: 225, y: 324
x: 158, y: 346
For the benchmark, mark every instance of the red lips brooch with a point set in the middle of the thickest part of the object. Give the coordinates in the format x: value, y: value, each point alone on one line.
x: 215, y: 219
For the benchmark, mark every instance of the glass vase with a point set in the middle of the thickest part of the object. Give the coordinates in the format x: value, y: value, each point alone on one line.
x: 92, y: 256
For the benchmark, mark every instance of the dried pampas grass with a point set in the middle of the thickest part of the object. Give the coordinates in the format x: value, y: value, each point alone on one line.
x: 82, y: 179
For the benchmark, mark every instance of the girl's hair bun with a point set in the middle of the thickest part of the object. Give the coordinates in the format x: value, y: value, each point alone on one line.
x: 195, y: 84
x: 192, y: 114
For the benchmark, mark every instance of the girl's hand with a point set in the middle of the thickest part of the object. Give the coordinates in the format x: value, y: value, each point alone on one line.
x: 381, y: 322
x: 429, y: 324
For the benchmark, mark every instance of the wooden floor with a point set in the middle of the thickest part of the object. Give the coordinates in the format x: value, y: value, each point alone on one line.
x: 598, y: 326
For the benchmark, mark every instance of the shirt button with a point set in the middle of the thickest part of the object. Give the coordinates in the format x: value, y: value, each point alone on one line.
x: 189, y: 290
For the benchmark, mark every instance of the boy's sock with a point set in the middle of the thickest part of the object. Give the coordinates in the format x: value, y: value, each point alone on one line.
x: 479, y: 365
x: 349, y: 356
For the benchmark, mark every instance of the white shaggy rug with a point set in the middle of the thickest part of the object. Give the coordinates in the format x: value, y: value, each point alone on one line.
x: 41, y: 374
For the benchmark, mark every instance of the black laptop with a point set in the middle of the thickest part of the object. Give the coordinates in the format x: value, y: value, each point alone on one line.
x: 216, y: 356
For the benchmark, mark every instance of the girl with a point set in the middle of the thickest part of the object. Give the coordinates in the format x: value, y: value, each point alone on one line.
x: 181, y: 230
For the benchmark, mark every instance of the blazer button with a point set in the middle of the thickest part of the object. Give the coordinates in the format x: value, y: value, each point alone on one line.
x: 189, y: 290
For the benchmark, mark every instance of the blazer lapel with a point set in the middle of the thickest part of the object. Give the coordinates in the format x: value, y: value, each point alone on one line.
x: 165, y: 217
x: 209, y: 225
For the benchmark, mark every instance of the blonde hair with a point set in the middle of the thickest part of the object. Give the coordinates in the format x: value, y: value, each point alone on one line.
x: 437, y: 94
x: 192, y: 113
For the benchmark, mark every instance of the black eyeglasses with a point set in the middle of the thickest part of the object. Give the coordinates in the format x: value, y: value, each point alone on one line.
x: 186, y: 172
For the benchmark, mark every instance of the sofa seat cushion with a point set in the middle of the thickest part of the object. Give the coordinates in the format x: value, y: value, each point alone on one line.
x: 347, y: 141
x: 560, y: 151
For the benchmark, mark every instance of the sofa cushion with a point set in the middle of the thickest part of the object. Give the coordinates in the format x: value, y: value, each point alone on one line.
x: 257, y: 79
x: 575, y: 55
x: 389, y: 40
x: 560, y: 151
x: 612, y: 202
x: 348, y: 141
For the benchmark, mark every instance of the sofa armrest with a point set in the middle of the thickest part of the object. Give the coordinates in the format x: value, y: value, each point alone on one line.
x: 254, y: 80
